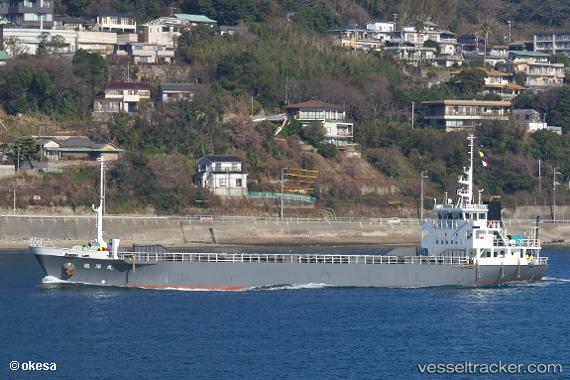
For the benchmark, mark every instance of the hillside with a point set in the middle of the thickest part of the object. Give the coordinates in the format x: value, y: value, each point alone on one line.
x: 277, y: 63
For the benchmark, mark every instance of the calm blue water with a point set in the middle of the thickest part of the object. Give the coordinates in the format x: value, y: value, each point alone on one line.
x: 103, y: 333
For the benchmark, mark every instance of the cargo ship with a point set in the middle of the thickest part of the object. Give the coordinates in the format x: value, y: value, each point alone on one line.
x: 465, y: 244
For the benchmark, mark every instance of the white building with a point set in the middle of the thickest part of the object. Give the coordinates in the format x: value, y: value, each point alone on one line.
x: 552, y: 42
x: 166, y: 30
x: 163, y: 30
x: 429, y: 31
x: 381, y: 26
x: 120, y: 97
x: 355, y: 37
x: 151, y: 53
x: 536, y: 65
x: 28, y: 40
x: 338, y: 130
x: 115, y: 22
x: 222, y: 175
x: 412, y: 54
x: 93, y: 41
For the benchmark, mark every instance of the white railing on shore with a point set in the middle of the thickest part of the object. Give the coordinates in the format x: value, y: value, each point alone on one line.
x: 257, y: 219
x: 142, y: 257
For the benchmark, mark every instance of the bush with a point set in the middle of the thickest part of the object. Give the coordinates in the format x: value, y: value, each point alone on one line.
x: 313, y: 133
x: 328, y: 150
x: 386, y: 161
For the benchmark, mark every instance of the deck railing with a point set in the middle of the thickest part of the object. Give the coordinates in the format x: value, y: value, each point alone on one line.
x: 290, y: 258
x: 541, y: 260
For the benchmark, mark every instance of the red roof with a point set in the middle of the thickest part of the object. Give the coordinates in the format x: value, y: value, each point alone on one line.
x: 313, y: 104
x: 127, y: 86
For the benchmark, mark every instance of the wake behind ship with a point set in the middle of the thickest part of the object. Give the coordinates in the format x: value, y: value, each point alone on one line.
x: 465, y: 245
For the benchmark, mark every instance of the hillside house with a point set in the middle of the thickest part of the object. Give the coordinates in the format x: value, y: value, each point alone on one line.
x: 496, y: 54
x: 411, y: 54
x: 71, y: 23
x: 114, y: 22
x: 534, y: 121
x: 383, y: 31
x: 536, y: 65
x: 150, y: 53
x: 222, y: 175
x: 428, y: 31
x: 338, y: 130
x: 29, y: 14
x: 472, y: 43
x: 354, y: 37
x: 457, y: 115
x: 166, y: 30
x: 120, y: 97
x: 171, y: 92
x: 501, y: 83
x: 58, y: 148
x: 552, y: 42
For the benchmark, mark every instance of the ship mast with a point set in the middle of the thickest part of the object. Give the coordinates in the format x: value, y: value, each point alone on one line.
x: 466, y: 194
x: 99, y: 210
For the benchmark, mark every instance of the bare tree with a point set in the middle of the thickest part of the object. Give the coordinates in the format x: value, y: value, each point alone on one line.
x: 15, y: 47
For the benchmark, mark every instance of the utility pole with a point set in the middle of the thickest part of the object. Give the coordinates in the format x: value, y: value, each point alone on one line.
x: 283, y: 172
x: 413, y: 114
x: 14, y: 199
x: 18, y: 159
x: 539, y: 175
x: 510, y: 30
x: 39, y: 139
x: 554, y: 183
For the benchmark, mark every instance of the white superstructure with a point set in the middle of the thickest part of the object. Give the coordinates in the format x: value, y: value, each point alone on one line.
x: 465, y: 228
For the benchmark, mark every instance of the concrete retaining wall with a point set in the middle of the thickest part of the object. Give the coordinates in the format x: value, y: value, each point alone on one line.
x: 235, y: 230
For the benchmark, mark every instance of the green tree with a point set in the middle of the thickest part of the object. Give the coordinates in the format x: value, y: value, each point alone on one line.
x: 470, y: 82
x: 314, y: 133
x: 559, y: 115
x: 25, y: 149
x: 433, y: 44
x: 28, y: 90
x: 122, y: 131
x: 43, y: 44
x: 561, y: 58
x: 520, y: 77
x: 327, y: 150
x: 91, y: 68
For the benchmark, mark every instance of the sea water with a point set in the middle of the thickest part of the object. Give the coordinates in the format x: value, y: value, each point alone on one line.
x: 304, y: 331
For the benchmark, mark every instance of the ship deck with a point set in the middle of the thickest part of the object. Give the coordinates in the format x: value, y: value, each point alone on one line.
x: 144, y: 257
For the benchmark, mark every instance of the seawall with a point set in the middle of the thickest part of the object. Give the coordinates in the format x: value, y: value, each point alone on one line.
x: 15, y: 230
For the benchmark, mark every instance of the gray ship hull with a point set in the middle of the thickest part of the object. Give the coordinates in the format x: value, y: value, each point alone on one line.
x: 242, y: 276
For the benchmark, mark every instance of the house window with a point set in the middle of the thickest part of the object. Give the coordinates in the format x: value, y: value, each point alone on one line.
x: 238, y: 182
x: 222, y: 182
x: 234, y: 167
x: 218, y: 166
